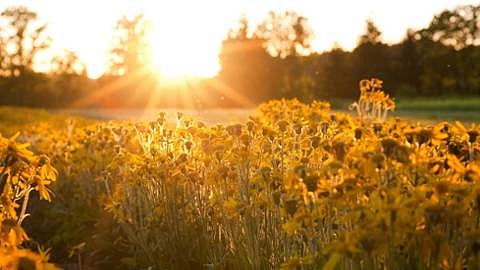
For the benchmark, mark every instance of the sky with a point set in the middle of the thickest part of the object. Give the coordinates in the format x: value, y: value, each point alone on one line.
x: 187, y: 34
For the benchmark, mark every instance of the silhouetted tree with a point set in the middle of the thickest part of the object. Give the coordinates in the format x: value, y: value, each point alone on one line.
x: 286, y: 34
x: 459, y: 27
x: 69, y: 79
x: 332, y: 73
x: 26, y: 40
x: 448, y: 53
x: 68, y: 63
x: 437, y: 64
x: 371, y: 56
x: 404, y: 65
x: 130, y: 75
x: 130, y: 50
x: 247, y: 69
x: 372, y: 34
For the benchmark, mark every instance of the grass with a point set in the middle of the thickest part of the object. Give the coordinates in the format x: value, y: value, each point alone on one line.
x: 466, y: 109
x: 453, y: 104
x: 446, y: 115
x: 13, y: 119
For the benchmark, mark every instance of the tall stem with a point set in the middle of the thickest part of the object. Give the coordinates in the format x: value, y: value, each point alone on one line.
x: 23, y: 213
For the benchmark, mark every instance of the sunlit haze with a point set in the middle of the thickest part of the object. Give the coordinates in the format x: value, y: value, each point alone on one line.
x: 187, y: 35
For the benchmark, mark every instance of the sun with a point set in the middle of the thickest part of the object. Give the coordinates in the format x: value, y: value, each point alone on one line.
x: 179, y: 49
x: 180, y: 60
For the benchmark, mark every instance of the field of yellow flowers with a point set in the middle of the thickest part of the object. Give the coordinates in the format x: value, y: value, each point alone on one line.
x: 294, y: 187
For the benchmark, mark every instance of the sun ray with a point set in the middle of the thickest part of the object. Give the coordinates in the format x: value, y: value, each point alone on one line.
x: 103, y: 92
x: 230, y: 94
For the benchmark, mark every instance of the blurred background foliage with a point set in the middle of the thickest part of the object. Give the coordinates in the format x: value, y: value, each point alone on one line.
x: 272, y: 59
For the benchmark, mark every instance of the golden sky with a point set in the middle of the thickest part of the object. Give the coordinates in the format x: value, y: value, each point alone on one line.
x: 188, y: 34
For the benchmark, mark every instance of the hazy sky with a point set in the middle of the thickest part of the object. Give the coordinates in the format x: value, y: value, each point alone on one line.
x: 188, y: 33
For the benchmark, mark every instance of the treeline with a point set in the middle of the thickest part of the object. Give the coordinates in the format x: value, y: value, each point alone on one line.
x: 440, y: 60
x: 273, y: 59
x: 23, y: 39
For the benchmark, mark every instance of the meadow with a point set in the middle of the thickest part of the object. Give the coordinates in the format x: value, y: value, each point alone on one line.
x: 147, y: 135
x: 293, y: 186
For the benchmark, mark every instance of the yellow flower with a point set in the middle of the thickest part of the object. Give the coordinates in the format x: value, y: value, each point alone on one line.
x: 455, y: 164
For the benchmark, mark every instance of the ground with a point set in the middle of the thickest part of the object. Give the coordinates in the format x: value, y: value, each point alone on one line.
x: 423, y: 110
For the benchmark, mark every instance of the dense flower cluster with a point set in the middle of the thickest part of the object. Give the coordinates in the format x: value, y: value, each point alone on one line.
x: 296, y: 186
x: 21, y: 172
